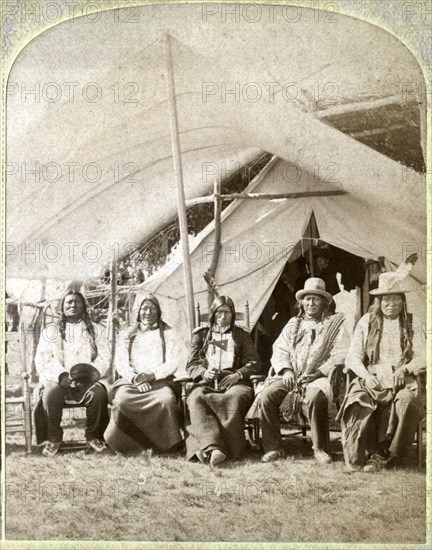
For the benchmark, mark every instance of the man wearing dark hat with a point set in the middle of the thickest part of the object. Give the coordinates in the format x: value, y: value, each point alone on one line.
x: 304, y: 356
x: 71, y: 358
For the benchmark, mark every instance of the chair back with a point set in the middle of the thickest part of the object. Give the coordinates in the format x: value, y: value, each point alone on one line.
x: 242, y: 317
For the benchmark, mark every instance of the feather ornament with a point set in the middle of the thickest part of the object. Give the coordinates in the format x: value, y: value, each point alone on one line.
x: 74, y: 286
x: 404, y: 269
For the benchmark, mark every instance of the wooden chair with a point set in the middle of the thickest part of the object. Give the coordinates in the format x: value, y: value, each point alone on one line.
x: 242, y: 317
x: 419, y: 434
x: 18, y: 408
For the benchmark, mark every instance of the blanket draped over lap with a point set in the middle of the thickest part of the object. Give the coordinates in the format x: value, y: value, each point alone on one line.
x: 217, y: 417
x: 147, y: 419
x: 144, y: 420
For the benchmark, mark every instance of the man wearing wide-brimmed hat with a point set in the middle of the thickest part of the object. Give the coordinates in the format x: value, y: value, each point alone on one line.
x: 304, y: 356
x: 382, y: 408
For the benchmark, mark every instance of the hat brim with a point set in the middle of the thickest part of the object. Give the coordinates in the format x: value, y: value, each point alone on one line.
x: 380, y: 292
x: 301, y: 293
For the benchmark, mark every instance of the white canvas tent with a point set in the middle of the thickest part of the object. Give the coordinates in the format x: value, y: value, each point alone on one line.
x: 89, y: 149
x: 259, y: 237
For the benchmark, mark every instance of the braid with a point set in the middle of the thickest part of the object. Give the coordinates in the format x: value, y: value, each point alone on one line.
x: 376, y: 329
x: 406, y: 333
x: 325, y: 312
x: 300, y: 315
x: 208, y: 337
x: 62, y: 325
x: 298, y: 318
x: 90, y: 330
x: 300, y: 309
x: 162, y: 327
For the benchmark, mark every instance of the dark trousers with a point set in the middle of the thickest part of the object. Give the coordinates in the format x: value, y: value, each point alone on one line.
x: 315, y: 408
x: 49, y: 411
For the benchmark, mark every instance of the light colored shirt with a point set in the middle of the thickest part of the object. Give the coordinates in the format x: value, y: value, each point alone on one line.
x: 390, y: 347
x: 286, y: 356
x: 221, y: 357
x: 147, y: 355
x: 54, y: 356
x: 295, y: 358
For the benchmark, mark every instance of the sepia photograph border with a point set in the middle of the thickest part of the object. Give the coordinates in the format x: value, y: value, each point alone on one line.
x: 412, y: 28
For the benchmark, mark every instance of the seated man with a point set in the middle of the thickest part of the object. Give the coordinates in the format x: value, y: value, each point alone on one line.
x: 221, y: 361
x: 383, y: 405
x: 72, y: 358
x: 304, y: 356
x: 146, y: 411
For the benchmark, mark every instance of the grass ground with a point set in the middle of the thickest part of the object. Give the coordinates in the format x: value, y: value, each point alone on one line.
x: 84, y: 496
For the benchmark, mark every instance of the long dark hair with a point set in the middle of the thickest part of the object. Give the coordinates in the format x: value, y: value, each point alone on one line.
x: 85, y: 318
x: 375, y: 331
x: 218, y: 302
x: 294, y: 333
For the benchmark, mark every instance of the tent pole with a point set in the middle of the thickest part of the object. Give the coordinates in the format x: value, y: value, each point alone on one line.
x: 112, y: 318
x: 43, y: 290
x: 310, y: 251
x: 181, y: 205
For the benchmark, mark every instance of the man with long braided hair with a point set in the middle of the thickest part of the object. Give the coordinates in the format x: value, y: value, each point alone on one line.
x: 146, y: 411
x: 382, y: 408
x: 221, y: 361
x: 72, y: 356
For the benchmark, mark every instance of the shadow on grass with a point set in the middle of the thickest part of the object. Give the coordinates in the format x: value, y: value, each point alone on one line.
x: 296, y: 448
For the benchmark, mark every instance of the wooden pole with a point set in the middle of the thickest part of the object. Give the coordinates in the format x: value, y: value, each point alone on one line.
x: 218, y: 229
x: 43, y: 290
x: 217, y: 238
x: 264, y: 196
x: 310, y: 251
x: 178, y: 171
x: 25, y: 377
x: 112, y: 318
